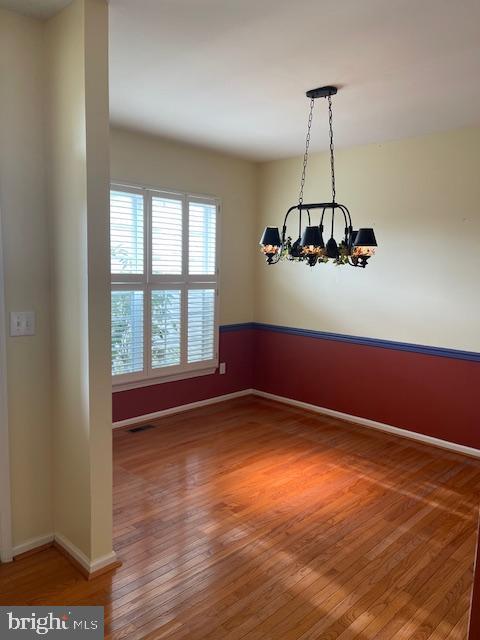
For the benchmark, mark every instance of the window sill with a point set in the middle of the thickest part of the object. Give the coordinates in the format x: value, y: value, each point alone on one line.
x: 148, y: 382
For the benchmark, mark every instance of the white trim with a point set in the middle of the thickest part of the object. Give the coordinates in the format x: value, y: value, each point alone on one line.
x: 148, y: 382
x: 103, y: 562
x: 33, y: 543
x: 180, y: 408
x: 372, y: 424
x: 6, y: 551
x: 347, y: 417
x: 138, y: 186
x: 71, y: 549
x: 89, y: 565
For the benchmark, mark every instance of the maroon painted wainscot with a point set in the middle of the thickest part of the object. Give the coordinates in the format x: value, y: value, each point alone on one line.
x: 236, y: 349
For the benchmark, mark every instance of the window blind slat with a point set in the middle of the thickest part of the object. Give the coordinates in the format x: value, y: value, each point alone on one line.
x: 127, y: 332
x: 201, y: 324
x: 201, y: 238
x: 126, y: 232
x: 166, y: 236
x: 166, y: 327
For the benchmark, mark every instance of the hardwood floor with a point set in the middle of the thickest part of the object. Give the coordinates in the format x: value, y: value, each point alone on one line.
x: 252, y: 520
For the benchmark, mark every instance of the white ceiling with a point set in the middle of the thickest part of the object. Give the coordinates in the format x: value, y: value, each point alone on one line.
x: 232, y: 74
x: 35, y: 8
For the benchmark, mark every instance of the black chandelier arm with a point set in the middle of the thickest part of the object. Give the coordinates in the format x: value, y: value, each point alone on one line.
x: 322, y: 216
x: 358, y: 262
x: 335, y: 205
x: 348, y: 225
x: 286, y: 217
x: 318, y: 205
x: 342, y: 209
x: 300, y: 221
x: 300, y: 209
x: 347, y: 215
x: 276, y: 258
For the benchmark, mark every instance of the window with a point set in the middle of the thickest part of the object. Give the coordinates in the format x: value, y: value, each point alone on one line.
x: 164, y: 285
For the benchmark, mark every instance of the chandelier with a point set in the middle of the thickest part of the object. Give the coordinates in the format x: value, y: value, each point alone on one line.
x: 355, y: 248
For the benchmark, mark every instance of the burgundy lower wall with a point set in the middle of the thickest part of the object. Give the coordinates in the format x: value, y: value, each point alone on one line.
x: 427, y: 394
x: 432, y: 395
x: 236, y: 350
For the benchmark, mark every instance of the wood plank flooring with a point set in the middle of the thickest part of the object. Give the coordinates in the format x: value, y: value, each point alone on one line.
x: 250, y: 520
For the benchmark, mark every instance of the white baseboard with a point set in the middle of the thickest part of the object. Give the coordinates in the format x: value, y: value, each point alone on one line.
x: 182, y: 407
x: 103, y: 561
x: 364, y: 422
x: 372, y: 424
x: 32, y: 543
x: 71, y: 549
x: 6, y: 555
x: 90, y: 566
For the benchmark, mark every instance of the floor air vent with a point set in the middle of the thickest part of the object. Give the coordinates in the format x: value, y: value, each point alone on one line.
x: 142, y: 427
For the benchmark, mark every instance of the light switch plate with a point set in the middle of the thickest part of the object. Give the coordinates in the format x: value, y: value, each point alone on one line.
x: 222, y: 368
x: 22, y: 323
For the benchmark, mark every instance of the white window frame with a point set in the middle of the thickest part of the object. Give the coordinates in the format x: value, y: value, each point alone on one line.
x: 148, y: 282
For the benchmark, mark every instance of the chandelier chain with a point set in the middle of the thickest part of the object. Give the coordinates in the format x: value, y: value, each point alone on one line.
x: 305, y: 155
x: 332, y: 159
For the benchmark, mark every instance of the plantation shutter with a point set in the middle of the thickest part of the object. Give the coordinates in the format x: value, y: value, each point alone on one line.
x: 201, y: 324
x: 202, y: 219
x: 166, y: 328
x: 164, y: 285
x: 166, y: 236
x: 126, y: 233
x: 202, y: 265
x: 127, y: 332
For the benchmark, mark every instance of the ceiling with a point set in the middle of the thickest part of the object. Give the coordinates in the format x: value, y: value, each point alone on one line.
x: 35, y: 8
x: 232, y: 74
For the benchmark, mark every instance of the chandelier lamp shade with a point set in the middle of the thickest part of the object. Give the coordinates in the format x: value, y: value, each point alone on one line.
x: 355, y: 247
x: 271, y: 242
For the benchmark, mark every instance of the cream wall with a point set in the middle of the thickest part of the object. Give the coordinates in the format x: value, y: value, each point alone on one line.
x: 422, y: 196
x: 98, y: 239
x: 78, y: 142
x: 26, y: 261
x: 152, y: 161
